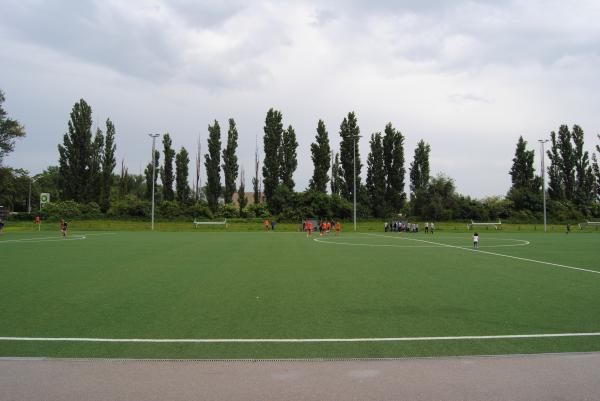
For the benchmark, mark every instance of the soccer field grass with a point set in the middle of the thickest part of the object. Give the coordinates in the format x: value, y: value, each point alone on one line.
x: 356, y: 289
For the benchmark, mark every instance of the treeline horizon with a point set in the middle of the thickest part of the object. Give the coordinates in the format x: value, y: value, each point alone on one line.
x: 85, y: 184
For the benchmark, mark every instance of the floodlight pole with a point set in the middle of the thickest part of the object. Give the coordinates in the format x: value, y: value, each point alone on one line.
x: 543, y: 156
x: 354, y: 192
x: 153, y: 136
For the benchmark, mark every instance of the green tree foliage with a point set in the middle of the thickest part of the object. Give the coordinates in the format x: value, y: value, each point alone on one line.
x: 596, y: 171
x: 78, y: 156
x: 336, y: 179
x: 525, y: 190
x: 9, y: 131
x: 393, y: 158
x: 47, y: 181
x: 273, y: 156
x: 350, y: 134
x: 584, y: 176
x: 166, y: 172
x: 376, y: 177
x: 182, y: 170
x: 289, y: 161
x: 95, y: 190
x: 242, y: 201
x: 419, y: 177
x: 14, y: 189
x: 108, y: 166
x: 321, y: 158
x: 212, y: 164
x: 256, y: 178
x: 567, y: 158
x: 230, y: 162
x: 149, y: 172
x: 440, y: 201
x: 556, y: 189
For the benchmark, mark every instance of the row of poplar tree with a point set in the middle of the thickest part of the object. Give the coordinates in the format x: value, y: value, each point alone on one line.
x: 87, y: 162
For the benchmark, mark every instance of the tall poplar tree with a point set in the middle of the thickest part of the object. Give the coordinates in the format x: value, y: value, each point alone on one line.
x: 336, y: 179
x: 108, y: 165
x: 182, y: 169
x: 166, y: 172
x: 350, y: 134
x: 376, y: 176
x: 242, y: 201
x: 75, y: 154
x: 556, y: 189
x: 256, y: 178
x: 212, y: 164
x: 289, y: 161
x: 525, y: 190
x: 321, y: 157
x: 230, y: 162
x: 94, y: 189
x: 149, y: 173
x: 272, y: 147
x: 419, y: 176
x: 393, y: 157
x: 567, y: 158
x: 584, y: 176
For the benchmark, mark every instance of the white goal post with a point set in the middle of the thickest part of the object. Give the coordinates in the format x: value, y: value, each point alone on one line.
x: 210, y: 223
x: 589, y: 224
x: 485, y: 224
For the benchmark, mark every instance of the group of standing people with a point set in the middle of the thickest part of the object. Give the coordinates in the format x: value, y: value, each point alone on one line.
x: 403, y: 226
x: 269, y: 225
x: 323, y: 226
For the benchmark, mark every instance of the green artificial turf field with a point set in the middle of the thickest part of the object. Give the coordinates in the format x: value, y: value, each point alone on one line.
x: 243, y: 285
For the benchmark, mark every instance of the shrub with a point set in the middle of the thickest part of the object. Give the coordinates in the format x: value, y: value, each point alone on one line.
x: 62, y: 210
x: 228, y: 210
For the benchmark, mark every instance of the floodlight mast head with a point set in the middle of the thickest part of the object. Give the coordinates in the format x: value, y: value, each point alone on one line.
x: 153, y: 136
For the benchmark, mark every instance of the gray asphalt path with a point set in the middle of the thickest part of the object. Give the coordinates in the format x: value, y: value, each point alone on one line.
x: 523, y: 377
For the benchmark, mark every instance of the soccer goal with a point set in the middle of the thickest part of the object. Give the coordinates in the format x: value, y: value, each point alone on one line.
x: 473, y: 224
x: 586, y: 224
x: 211, y: 223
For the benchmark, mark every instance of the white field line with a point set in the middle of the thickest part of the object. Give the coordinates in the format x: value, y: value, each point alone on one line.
x: 495, y: 254
x: 295, y: 340
x: 44, y: 239
x: 324, y: 240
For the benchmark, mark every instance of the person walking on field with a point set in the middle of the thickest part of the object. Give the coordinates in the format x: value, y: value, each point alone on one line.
x: 338, y: 228
x: 426, y: 228
x: 1, y: 226
x: 63, y: 228
x: 475, y: 240
x: 309, y: 228
x: 266, y: 224
x: 431, y: 228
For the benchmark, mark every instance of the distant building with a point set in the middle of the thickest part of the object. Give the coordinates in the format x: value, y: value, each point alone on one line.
x: 249, y: 198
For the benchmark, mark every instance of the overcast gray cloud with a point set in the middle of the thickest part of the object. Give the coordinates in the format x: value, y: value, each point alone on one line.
x: 467, y: 76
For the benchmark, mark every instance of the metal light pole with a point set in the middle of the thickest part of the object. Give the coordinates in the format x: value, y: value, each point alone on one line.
x: 29, y: 199
x: 354, y: 192
x: 543, y: 156
x: 153, y: 136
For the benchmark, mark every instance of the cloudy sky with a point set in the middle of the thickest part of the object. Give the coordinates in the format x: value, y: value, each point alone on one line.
x: 468, y: 77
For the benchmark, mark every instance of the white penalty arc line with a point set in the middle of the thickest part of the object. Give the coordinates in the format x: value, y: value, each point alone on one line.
x: 43, y: 239
x: 294, y: 340
x: 326, y: 241
x: 495, y: 254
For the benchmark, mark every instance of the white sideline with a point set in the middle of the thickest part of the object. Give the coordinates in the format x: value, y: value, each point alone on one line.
x: 492, y: 253
x: 294, y: 340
